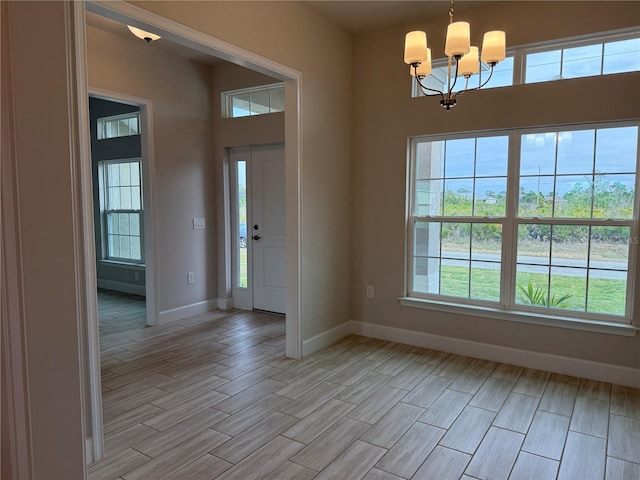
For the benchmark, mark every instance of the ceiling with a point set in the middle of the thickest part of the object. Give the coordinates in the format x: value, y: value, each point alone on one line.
x: 355, y: 16
x: 358, y: 16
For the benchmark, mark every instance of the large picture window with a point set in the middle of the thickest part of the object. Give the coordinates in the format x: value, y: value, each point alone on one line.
x: 122, y: 210
x: 540, y: 220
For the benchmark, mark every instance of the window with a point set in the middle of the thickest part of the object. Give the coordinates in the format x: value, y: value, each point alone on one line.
x: 121, y: 194
x: 604, y: 54
x: 119, y: 126
x: 583, y: 59
x: 253, y: 101
x: 539, y: 220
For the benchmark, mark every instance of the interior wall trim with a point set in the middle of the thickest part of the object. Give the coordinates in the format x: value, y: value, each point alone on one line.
x: 186, y: 311
x: 326, y: 338
x: 524, y: 358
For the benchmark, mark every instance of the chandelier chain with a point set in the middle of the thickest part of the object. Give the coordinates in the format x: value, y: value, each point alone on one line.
x: 451, y: 12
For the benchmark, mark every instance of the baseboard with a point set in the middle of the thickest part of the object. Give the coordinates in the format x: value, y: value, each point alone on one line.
x: 225, y: 303
x: 326, y: 338
x: 180, y: 313
x: 122, y: 287
x: 525, y: 358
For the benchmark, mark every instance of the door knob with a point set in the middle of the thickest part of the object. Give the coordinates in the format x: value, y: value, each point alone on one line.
x: 257, y: 237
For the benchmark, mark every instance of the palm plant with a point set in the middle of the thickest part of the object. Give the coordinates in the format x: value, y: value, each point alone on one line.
x: 538, y: 296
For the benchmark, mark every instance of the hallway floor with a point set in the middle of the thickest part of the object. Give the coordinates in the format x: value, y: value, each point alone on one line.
x: 214, y: 397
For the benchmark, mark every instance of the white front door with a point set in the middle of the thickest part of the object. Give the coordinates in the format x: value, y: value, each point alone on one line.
x: 259, y: 228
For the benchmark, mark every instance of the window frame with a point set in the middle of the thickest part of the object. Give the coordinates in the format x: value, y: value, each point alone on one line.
x: 507, y: 307
x: 102, y: 122
x: 103, y: 182
x: 226, y: 99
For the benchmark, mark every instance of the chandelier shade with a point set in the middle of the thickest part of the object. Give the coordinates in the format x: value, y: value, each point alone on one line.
x: 143, y: 35
x: 463, y: 59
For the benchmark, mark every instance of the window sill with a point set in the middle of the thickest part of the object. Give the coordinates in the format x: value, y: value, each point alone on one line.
x: 612, y: 328
x: 116, y: 263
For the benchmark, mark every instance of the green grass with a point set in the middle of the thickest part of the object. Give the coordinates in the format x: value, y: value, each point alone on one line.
x: 243, y: 268
x: 605, y: 295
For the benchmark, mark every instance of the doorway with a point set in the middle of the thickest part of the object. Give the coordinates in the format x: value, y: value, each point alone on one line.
x: 259, y: 227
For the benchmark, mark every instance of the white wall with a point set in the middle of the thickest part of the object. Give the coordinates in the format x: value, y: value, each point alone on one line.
x: 385, y: 117
x: 179, y: 90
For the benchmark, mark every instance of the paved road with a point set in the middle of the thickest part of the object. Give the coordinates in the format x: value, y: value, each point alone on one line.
x: 531, y: 264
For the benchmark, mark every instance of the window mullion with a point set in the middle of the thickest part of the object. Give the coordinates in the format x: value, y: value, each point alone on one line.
x: 510, y: 227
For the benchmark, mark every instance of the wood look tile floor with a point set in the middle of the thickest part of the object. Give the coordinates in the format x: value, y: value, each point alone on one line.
x: 215, y: 397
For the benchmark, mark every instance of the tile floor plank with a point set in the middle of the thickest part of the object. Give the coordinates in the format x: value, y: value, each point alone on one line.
x: 443, y: 463
x: 353, y: 463
x: 496, y: 454
x: 533, y: 467
x: 584, y: 457
x: 392, y: 425
x: 468, y: 430
x: 547, y: 435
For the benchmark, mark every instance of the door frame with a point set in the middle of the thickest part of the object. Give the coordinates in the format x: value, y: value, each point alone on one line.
x: 243, y: 298
x: 150, y: 223
x: 132, y: 15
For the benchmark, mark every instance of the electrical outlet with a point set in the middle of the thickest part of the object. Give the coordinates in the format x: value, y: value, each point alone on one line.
x: 370, y: 291
x: 198, y: 223
x: 191, y: 278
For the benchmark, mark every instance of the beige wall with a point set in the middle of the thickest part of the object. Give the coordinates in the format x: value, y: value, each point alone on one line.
x: 235, y: 132
x: 385, y: 117
x: 292, y: 34
x: 44, y: 159
x: 179, y: 90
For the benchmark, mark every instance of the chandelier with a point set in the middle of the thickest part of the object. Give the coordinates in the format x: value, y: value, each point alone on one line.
x: 459, y: 51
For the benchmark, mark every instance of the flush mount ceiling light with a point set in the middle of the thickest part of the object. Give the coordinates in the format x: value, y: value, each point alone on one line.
x: 146, y: 36
x: 459, y: 51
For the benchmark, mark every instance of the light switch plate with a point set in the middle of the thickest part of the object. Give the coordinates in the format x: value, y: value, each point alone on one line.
x: 198, y: 223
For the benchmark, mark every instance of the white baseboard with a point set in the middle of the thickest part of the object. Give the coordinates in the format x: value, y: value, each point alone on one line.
x: 525, y: 358
x: 225, y: 303
x: 122, y: 287
x: 180, y: 313
x: 326, y: 338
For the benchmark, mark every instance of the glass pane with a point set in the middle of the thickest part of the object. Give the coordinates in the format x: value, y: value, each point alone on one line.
x: 492, y: 156
x: 576, y: 152
x: 427, y: 239
x: 125, y: 247
x: 542, y: 67
x: 125, y: 174
x: 573, y: 196
x: 114, y: 246
x: 260, y: 102
x: 502, y: 74
x: 240, y: 106
x: 490, y: 197
x: 582, y: 61
x: 136, y: 251
x: 426, y: 275
x: 429, y: 160
x: 486, y: 242
x: 616, y: 150
x: 534, y: 246
x: 458, y: 197
x: 125, y: 198
x: 610, y: 247
x: 613, y: 196
x: 123, y: 223
x: 456, y: 240
x: 538, y: 154
x: 485, y: 281
x: 622, y: 56
x: 568, y: 288
x: 454, y: 278
x: 113, y: 174
x: 607, y: 292
x: 570, y: 245
x: 135, y: 173
x: 460, y: 158
x: 134, y: 125
x: 532, y: 286
x: 276, y: 97
x: 242, y: 267
x: 113, y: 202
x: 135, y: 198
x: 428, y: 197
x: 134, y: 224
x: 536, y: 197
